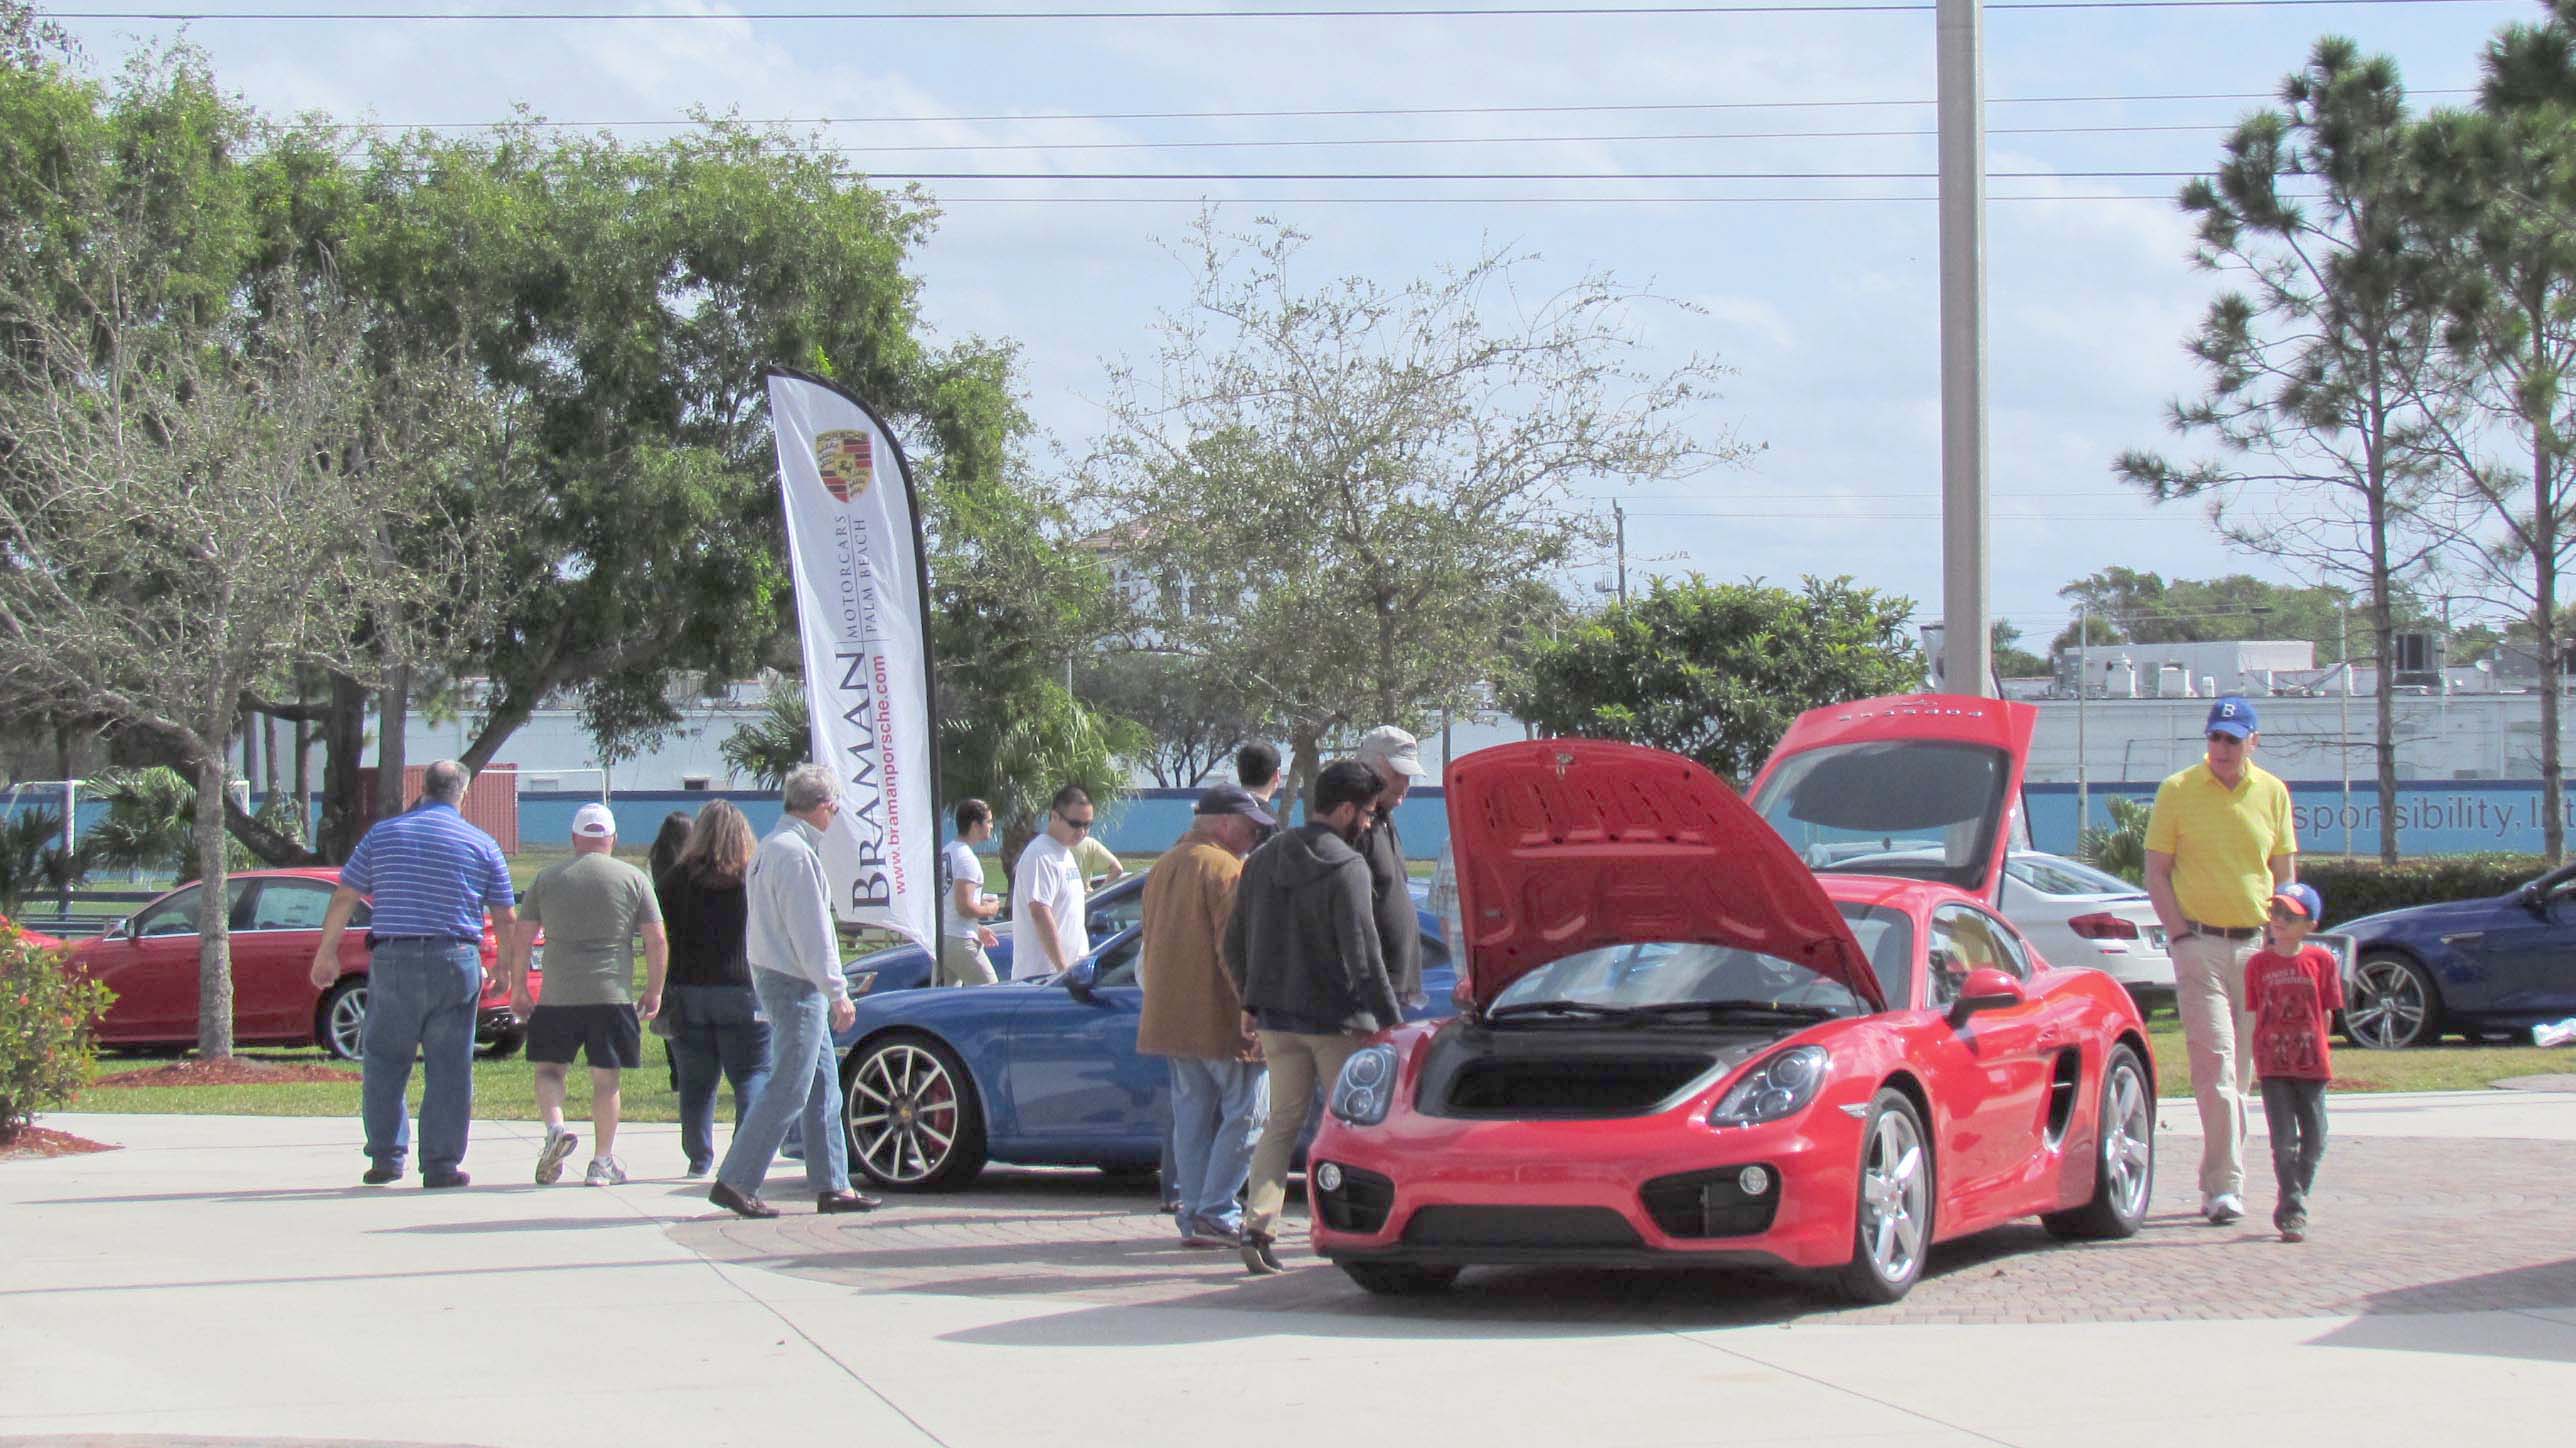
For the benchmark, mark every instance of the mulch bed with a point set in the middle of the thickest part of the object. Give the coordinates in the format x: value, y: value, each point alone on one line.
x: 233, y: 1072
x: 39, y: 1141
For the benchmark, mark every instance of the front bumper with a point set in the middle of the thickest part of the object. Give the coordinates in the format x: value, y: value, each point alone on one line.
x: 1440, y: 1192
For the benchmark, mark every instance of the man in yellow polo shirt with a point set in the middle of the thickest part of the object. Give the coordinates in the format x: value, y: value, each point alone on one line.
x: 2218, y: 845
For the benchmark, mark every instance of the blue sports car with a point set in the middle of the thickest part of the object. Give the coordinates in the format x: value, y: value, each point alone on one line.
x: 936, y: 1083
x: 2478, y: 968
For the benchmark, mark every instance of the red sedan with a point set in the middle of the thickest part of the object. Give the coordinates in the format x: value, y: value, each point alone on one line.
x: 150, y: 960
x: 1688, y: 1039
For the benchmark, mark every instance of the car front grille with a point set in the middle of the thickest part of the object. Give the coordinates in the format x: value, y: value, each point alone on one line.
x: 1519, y: 1227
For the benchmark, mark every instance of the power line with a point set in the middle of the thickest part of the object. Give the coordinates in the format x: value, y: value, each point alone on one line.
x: 1827, y: 7
x: 869, y: 149
x: 2163, y: 198
x: 1509, y: 175
x: 1343, y: 113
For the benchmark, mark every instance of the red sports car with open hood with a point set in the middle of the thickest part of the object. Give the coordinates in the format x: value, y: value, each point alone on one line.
x: 1686, y: 1038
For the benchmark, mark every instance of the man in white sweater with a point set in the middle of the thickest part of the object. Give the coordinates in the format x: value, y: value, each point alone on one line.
x: 795, y: 956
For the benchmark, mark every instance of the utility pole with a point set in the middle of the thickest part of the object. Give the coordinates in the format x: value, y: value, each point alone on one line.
x: 2083, y: 760
x: 1967, y: 652
x: 1619, y: 520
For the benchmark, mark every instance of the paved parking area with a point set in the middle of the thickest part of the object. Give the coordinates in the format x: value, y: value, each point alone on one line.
x: 226, y: 1280
x: 2400, y: 1225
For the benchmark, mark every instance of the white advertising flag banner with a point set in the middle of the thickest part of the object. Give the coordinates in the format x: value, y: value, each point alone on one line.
x: 854, y: 548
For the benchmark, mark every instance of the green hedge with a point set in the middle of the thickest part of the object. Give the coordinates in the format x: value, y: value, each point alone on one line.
x: 48, y: 1029
x: 2354, y: 888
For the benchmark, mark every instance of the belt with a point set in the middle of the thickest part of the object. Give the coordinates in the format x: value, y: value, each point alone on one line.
x: 2223, y: 932
x: 376, y: 940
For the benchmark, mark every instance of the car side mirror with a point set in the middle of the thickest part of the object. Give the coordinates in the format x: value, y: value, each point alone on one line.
x: 1078, y: 980
x: 2529, y: 896
x: 1986, y: 989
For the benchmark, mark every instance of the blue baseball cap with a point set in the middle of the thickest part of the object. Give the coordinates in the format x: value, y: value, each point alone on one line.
x: 2303, y: 899
x: 2232, y: 714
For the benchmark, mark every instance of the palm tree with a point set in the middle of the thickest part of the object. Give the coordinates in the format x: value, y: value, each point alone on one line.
x: 32, y: 859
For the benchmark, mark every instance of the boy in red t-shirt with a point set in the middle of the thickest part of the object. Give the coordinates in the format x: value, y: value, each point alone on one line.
x: 2293, y: 988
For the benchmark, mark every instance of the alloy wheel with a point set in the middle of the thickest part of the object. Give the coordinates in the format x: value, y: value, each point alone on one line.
x: 1894, y: 1197
x: 2388, y: 1008
x: 904, y: 1113
x: 2128, y: 1140
x: 347, y: 1023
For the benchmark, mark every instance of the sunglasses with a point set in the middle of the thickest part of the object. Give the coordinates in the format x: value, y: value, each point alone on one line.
x: 1074, y: 824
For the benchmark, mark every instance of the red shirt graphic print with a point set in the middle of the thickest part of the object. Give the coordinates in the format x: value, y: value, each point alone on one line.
x: 2293, y: 999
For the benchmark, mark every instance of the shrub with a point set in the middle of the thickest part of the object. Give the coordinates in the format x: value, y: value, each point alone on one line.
x: 2354, y: 888
x: 48, y: 1029
x: 2122, y: 848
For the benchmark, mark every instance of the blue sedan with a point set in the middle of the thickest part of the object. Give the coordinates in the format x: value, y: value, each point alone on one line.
x: 1114, y: 908
x: 937, y: 1083
x: 2496, y: 966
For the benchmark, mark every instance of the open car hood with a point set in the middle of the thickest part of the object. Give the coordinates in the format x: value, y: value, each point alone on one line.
x: 1565, y: 845
x: 1915, y: 786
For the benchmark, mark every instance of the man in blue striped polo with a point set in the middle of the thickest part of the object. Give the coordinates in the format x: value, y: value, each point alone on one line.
x: 432, y: 876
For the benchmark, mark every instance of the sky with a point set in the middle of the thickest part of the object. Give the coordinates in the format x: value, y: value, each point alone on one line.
x: 1821, y: 295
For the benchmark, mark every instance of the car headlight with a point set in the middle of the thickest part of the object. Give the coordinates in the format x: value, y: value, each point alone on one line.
x: 1366, y: 1086
x: 1778, y: 1087
x: 861, y: 982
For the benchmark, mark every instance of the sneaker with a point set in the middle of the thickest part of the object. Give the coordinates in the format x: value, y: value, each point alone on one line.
x: 2223, y: 1208
x: 1203, y: 1233
x: 604, y: 1172
x: 2294, y: 1227
x: 379, y: 1176
x: 698, y: 1169
x: 444, y: 1181
x: 550, y: 1161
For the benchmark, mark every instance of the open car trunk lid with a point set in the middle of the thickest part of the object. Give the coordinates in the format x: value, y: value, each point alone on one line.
x: 1915, y: 786
x: 1566, y: 845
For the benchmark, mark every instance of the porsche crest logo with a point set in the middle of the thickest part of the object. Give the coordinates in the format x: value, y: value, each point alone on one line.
x: 847, y: 463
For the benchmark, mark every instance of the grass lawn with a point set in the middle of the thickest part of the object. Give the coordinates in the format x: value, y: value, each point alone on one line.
x: 504, y: 1090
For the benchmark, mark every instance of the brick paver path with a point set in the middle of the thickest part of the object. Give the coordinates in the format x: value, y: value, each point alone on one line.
x: 2400, y: 1225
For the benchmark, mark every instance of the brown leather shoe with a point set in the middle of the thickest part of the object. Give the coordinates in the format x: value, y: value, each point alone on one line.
x: 1260, y: 1256
x: 830, y: 1202
x: 739, y: 1204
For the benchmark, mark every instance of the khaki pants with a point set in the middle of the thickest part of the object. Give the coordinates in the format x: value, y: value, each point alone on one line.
x: 2218, y: 1034
x: 962, y: 961
x: 1297, y: 1065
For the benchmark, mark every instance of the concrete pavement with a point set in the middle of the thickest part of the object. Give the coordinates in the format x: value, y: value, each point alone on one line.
x: 226, y: 1277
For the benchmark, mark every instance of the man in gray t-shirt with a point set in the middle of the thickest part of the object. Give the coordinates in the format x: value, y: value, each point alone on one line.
x: 591, y: 909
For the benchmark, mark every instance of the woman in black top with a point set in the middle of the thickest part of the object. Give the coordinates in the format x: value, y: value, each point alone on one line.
x: 717, y: 1028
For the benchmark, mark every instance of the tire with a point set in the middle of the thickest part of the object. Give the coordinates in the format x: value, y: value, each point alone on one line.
x: 2394, y: 1005
x: 1892, y: 1221
x: 503, y: 1047
x: 1400, y: 1279
x: 2124, y: 1175
x: 898, y: 1092
x: 340, y: 1022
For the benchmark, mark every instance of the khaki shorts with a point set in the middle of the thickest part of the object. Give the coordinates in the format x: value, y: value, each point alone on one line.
x: 962, y: 961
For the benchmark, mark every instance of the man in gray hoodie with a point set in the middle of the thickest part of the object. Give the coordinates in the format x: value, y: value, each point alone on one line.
x: 1302, y: 947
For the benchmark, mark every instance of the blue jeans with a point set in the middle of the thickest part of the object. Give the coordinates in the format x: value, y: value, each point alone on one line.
x: 422, y: 997
x: 804, y: 1084
x: 1218, y: 1109
x: 717, y: 1034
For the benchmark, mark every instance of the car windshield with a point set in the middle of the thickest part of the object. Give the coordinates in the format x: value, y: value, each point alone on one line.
x: 1664, y: 978
x: 1918, y: 809
x: 2057, y: 875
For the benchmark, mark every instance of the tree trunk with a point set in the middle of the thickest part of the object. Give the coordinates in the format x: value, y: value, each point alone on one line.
x: 344, y: 737
x: 393, y: 741
x: 2383, y: 632
x: 250, y: 749
x: 214, y: 909
x: 503, y: 722
x: 1305, y: 762
x: 2545, y: 503
x: 268, y: 754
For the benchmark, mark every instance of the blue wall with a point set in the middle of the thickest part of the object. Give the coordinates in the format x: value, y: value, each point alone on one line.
x: 2433, y: 817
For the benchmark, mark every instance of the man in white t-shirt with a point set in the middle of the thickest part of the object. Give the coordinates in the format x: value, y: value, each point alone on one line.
x: 1051, y: 901
x: 963, y: 905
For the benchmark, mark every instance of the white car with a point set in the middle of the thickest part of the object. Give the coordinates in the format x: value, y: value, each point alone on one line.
x: 2078, y: 915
